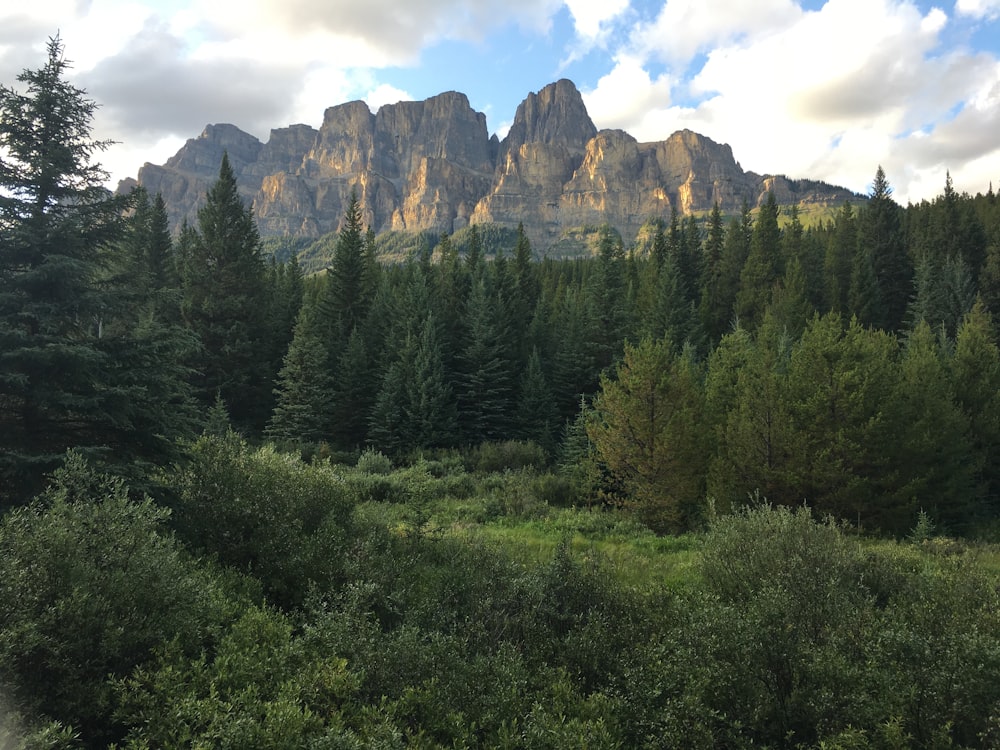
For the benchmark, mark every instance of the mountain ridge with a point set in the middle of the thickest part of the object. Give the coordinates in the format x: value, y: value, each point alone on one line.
x: 432, y: 165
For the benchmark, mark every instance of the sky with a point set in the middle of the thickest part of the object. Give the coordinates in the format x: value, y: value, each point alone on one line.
x: 814, y: 89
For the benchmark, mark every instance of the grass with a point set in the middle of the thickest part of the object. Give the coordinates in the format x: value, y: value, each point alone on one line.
x: 506, y: 512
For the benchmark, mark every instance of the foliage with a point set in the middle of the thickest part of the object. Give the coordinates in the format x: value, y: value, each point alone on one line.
x: 91, y: 582
x: 644, y: 430
x: 265, y: 514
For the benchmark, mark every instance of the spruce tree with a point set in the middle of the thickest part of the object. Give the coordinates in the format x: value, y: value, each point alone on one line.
x: 304, y: 389
x: 486, y: 384
x: 713, y: 314
x: 57, y: 221
x: 224, y: 298
x: 537, y: 417
x: 345, y: 301
x: 880, y: 236
x: 839, y: 259
x: 735, y: 251
x: 430, y: 403
x: 763, y: 266
x: 352, y: 394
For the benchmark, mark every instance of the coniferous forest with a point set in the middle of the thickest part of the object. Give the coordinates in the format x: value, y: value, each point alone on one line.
x: 733, y: 482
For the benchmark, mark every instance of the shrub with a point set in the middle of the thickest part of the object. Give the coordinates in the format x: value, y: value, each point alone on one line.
x: 90, y: 583
x: 372, y: 461
x: 267, y: 514
x: 508, y: 454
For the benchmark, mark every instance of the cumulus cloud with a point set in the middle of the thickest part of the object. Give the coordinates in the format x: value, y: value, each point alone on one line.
x: 626, y: 96
x: 979, y: 8
x: 830, y: 93
x: 395, y: 31
x: 683, y: 28
x: 385, y: 94
x: 590, y: 17
x: 154, y: 88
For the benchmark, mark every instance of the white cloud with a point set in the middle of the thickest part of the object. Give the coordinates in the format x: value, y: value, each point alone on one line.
x: 826, y: 94
x: 978, y: 8
x: 385, y: 94
x: 590, y: 15
x: 627, y: 95
x: 683, y: 28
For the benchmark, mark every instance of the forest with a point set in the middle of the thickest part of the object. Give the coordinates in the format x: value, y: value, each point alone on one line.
x: 733, y: 482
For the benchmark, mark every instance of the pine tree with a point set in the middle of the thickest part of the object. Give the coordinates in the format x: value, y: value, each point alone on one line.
x: 880, y: 235
x: 224, y: 298
x: 486, y: 384
x: 304, y: 399
x: 756, y: 438
x: 763, y: 266
x: 647, y: 430
x: 932, y: 466
x: 975, y: 376
x: 56, y: 223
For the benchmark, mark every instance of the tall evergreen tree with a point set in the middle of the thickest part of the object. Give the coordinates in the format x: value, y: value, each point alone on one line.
x: 224, y: 298
x: 486, y: 385
x: 975, y: 377
x: 646, y: 430
x: 430, y: 403
x: 930, y: 465
x: 56, y: 223
x: 712, y: 311
x: 304, y: 388
x: 839, y: 259
x: 880, y: 234
x: 537, y: 417
x: 345, y: 302
x: 735, y: 251
x: 763, y: 266
x: 352, y: 394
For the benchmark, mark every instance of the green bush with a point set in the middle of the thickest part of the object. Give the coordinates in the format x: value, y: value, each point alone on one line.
x: 372, y: 461
x: 266, y: 514
x: 513, y: 455
x: 90, y: 583
x: 557, y: 490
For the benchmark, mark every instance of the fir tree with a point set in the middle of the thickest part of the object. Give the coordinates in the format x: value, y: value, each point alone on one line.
x: 536, y: 413
x: 713, y: 313
x: 304, y: 399
x: 345, y: 301
x: 430, y: 404
x: 224, y: 299
x: 485, y: 391
x: 763, y: 266
x: 880, y: 236
x: 56, y: 225
x: 352, y: 394
x: 839, y: 259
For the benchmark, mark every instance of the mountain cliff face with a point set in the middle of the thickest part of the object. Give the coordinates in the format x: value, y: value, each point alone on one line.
x: 431, y: 165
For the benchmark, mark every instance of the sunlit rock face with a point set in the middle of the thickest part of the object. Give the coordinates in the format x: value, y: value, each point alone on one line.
x: 432, y: 165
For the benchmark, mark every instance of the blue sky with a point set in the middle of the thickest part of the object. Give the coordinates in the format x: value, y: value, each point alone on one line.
x: 827, y: 89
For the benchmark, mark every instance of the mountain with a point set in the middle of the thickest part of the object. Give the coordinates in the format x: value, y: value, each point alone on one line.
x: 431, y: 165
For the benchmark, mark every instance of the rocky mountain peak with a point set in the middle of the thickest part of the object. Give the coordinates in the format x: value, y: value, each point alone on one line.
x: 555, y: 116
x: 431, y: 165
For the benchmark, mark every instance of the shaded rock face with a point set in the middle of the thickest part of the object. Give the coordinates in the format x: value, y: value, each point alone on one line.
x: 431, y: 165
